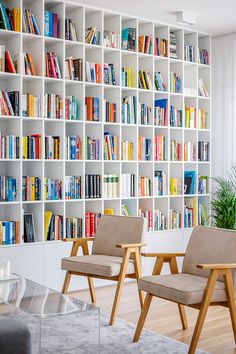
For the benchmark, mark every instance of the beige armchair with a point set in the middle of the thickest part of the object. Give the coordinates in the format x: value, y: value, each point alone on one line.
x: 115, y: 255
x: 207, y: 278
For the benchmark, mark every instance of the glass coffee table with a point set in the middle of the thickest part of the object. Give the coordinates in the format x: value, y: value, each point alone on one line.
x: 58, y: 323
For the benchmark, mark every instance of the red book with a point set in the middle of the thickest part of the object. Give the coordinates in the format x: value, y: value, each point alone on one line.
x: 66, y: 108
x: 54, y: 25
x: 54, y: 74
x: 92, y: 224
x: 46, y: 65
x: 87, y: 224
x: 9, y: 63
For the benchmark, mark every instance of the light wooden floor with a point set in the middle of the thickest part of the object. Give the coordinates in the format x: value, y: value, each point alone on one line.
x: 217, y: 336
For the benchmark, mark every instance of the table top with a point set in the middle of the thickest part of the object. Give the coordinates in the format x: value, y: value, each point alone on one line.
x: 38, y: 300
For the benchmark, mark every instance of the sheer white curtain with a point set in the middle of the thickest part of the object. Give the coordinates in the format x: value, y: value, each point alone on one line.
x: 223, y: 104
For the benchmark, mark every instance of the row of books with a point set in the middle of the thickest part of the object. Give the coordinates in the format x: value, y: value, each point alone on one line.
x: 110, y: 186
x: 127, y: 150
x: 93, y: 72
x: 144, y: 148
x: 202, y: 118
x: 91, y: 223
x: 189, y: 53
x: 31, y: 106
x: 53, y: 226
x: 52, y: 147
x: 92, y: 149
x: 144, y: 79
x: 160, y: 148
x: 9, y: 146
x: 148, y: 218
x: 111, y: 150
x: 176, y: 151
x: 128, y: 39
x: 189, y: 212
x: 144, y: 113
x: 190, y: 117
x: 128, y: 110
x: 145, y: 44
x: 189, y: 151
x: 52, y: 67
x: 175, y: 219
x: 93, y: 187
x: 189, y: 182
x: 6, y: 63
x: 203, y: 91
x: 175, y: 83
x: 51, y: 24
x: 159, y: 82
x: 53, y: 106
x: 10, y: 18
x: 111, y: 39
x: 173, y: 45
x: 126, y: 76
x: 145, y: 186
x: 71, y: 108
x: 52, y: 189
x: 8, y: 189
x: 28, y: 68
x: 92, y: 108
x: 74, y: 69
x: 9, y: 232
x: 161, y: 112
x: 109, y: 77
x: 73, y: 187
x: 9, y: 103
x: 203, y: 56
x: 160, y: 183
x: 70, y: 30
x: 175, y: 186
x: 128, y: 185
x: 92, y: 36
x: 31, y: 188
x: 203, y: 151
x: 160, y: 47
x: 74, y: 227
x: 73, y: 147
x: 202, y: 215
x: 110, y: 111
x: 29, y: 23
x: 202, y: 184
x: 159, y: 220
x: 176, y: 117
x: 31, y: 147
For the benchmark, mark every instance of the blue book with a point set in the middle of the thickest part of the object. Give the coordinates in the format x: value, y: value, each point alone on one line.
x: 50, y: 24
x: 6, y: 18
x: 10, y: 147
x: 96, y: 109
x: 46, y: 23
x: 73, y: 147
x: 35, y: 25
x: 7, y: 226
x: 92, y: 73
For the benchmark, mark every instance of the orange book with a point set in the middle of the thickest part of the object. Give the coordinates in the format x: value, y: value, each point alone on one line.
x: 29, y: 58
x: 139, y: 147
x: 17, y: 232
x: 89, y: 104
x: 141, y: 44
x: 97, y: 74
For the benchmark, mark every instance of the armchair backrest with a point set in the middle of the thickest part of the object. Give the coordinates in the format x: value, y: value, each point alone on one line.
x: 209, y: 245
x: 115, y: 229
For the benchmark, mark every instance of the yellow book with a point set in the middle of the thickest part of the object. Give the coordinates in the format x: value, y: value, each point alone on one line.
x: 143, y: 80
x: 109, y: 211
x: 16, y: 19
x: 47, y: 221
x: 31, y: 105
x: 45, y: 189
x: 32, y: 188
x: 24, y: 147
x: 129, y: 77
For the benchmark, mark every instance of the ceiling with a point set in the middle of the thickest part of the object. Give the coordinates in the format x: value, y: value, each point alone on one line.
x: 212, y: 16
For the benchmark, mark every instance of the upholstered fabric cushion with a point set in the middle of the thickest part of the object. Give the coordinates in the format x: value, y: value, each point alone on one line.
x: 182, y: 288
x: 209, y: 245
x: 114, y: 229
x: 103, y: 265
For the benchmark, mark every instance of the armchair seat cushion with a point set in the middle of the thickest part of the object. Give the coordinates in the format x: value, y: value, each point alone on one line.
x: 96, y: 264
x: 182, y: 288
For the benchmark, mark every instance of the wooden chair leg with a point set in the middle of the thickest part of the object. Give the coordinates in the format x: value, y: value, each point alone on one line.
x: 138, y: 275
x: 66, y: 283
x: 119, y: 286
x: 142, y: 317
x: 203, y: 310
x: 229, y: 287
x: 91, y: 290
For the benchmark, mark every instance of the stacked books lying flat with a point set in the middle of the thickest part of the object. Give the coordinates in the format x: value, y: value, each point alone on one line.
x: 160, y: 183
x: 52, y: 68
x: 92, y: 36
x: 202, y: 216
x: 28, y: 65
x: 9, y: 146
x: 175, y: 219
x: 52, y: 147
x: 160, y: 148
x: 190, y: 117
x: 6, y: 63
x: 203, y: 151
x: 145, y: 187
x: 160, y: 47
x: 126, y: 76
x: 110, y: 186
x: 159, y: 220
x: 175, y: 83
x: 9, y: 232
x: 159, y: 82
x: 189, y: 212
x: 175, y: 186
x: 74, y: 227
x: 93, y: 72
x: 74, y: 69
x: 9, y: 103
x: 109, y: 76
x: 173, y: 45
x: 189, y: 151
x: 10, y: 18
x: 110, y: 110
x: 29, y: 22
x: 31, y: 106
x: 128, y: 185
x: 52, y: 189
x: 202, y: 119
x: 144, y: 148
x: 50, y: 24
x: 70, y: 30
x: 189, y: 182
x: 202, y: 184
x: 127, y: 150
x: 73, y: 147
x: 161, y: 112
x: 53, y: 226
x: 203, y: 57
x: 144, y: 113
x: 176, y: 117
x: 145, y: 44
x: 73, y: 187
x: 31, y: 188
x: 31, y: 147
x: 8, y: 189
x: 111, y: 150
x: 144, y: 79
x: 111, y: 39
x: 128, y: 110
x: 92, y: 148
x: 148, y: 219
x: 202, y: 89
x: 92, y: 109
x: 71, y: 108
x: 91, y: 223
x: 52, y: 106
x: 175, y: 151
x: 128, y: 39
x: 189, y: 53
x: 93, y: 186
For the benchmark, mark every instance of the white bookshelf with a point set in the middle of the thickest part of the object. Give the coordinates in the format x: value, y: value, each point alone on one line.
x: 39, y: 85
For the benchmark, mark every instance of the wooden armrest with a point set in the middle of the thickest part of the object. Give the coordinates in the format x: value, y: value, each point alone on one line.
x: 130, y: 245
x: 163, y: 255
x: 217, y: 266
x: 78, y: 240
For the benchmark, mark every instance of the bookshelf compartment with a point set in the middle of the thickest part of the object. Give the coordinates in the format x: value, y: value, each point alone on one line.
x: 129, y: 148
x: 190, y: 212
x: 160, y: 180
x: 34, y: 47
x: 74, y: 99
x: 176, y: 213
x: 10, y: 126
x: 162, y: 33
x: 37, y: 210
x: 176, y: 83
x: 111, y: 180
x: 57, y: 49
x: 204, y: 112
x: 74, y: 52
x: 113, y: 205
x: 53, y: 209
x: 176, y: 180
x: 204, y: 42
x: 111, y: 60
x: 145, y: 40
x: 162, y: 68
x: 94, y: 133
x: 145, y: 108
x: 94, y: 20
x: 32, y: 99
x: 129, y: 23
x: 111, y: 141
x: 8, y: 169
x: 76, y: 14
x: 112, y: 27
x: 145, y: 144
x: 36, y: 9
x: 190, y: 46
x: 179, y: 36
x: 128, y: 69
x: 204, y: 75
x: 190, y: 79
x: 57, y: 132
x: 57, y: 8
x: 160, y: 214
x: 204, y: 210
x: 73, y: 181
x: 112, y: 106
x: 145, y: 67
x: 93, y: 107
x: 190, y: 146
x: 129, y: 180
x: 32, y: 169
x: 11, y: 43
x: 130, y: 206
